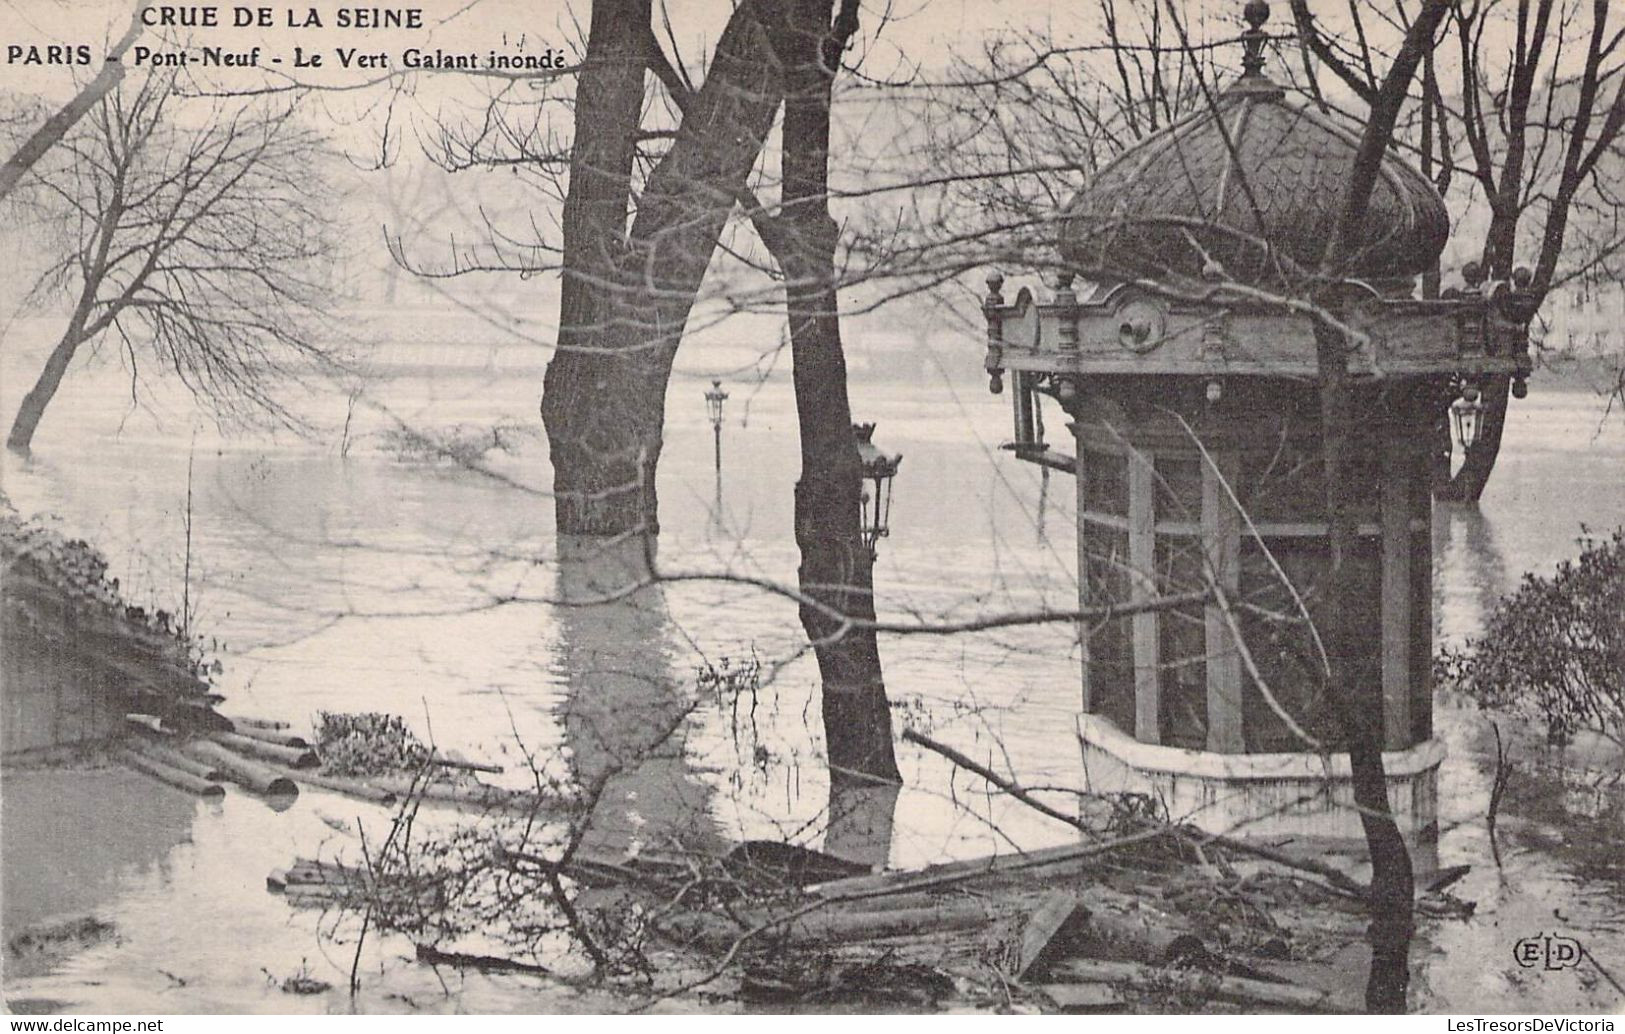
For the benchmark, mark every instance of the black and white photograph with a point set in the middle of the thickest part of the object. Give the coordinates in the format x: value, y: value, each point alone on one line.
x: 634, y: 508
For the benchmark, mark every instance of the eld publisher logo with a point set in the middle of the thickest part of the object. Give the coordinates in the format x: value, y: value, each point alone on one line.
x: 1548, y: 951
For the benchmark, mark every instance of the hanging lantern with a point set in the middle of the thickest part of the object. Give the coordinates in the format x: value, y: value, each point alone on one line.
x: 1467, y: 412
x: 878, y: 471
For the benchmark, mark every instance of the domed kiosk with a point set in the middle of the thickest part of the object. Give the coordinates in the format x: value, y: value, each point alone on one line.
x: 1188, y: 368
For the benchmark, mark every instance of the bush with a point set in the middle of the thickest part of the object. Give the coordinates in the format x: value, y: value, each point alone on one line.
x: 367, y: 744
x: 1555, y: 648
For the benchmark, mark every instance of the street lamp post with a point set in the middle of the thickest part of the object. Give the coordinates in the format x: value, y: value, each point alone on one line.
x: 878, y: 471
x: 713, y: 404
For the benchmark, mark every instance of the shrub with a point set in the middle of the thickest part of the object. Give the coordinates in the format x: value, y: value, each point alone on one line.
x: 1555, y: 647
x: 367, y: 744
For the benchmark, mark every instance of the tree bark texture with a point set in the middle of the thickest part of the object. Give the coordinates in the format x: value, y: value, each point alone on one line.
x: 836, y: 572
x: 628, y: 293
x: 39, y: 396
x: 1392, y: 880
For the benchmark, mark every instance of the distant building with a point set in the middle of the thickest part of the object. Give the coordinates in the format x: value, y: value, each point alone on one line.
x: 1583, y: 319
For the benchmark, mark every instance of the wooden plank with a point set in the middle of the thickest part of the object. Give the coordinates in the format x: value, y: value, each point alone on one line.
x: 1058, y: 914
x: 1221, y: 545
x: 1395, y: 518
x: 1142, y: 556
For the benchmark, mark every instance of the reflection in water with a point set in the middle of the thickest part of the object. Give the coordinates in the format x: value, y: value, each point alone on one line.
x: 625, y: 711
x: 861, y: 817
x: 74, y: 837
x: 1470, y: 574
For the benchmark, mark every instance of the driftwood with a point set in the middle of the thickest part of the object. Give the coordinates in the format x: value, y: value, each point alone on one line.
x: 1210, y: 985
x: 315, y: 897
x: 347, y: 785
x: 252, y: 774
x: 1126, y: 928
x: 716, y: 932
x: 275, y: 736
x: 268, y: 724
x: 1050, y: 861
x: 461, y: 793
x: 1084, y: 997
x: 293, y: 757
x: 175, y: 777
x: 452, y: 759
x: 174, y: 758
x: 433, y: 956
x: 1339, y: 880
x: 150, y: 722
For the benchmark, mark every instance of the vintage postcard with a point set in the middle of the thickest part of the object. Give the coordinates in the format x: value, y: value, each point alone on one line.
x: 516, y: 507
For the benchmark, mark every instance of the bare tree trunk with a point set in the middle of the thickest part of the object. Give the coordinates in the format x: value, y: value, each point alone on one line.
x: 57, y: 126
x: 629, y: 294
x: 39, y: 396
x: 1393, y: 887
x: 836, y: 568
x: 597, y: 472
x: 1392, y: 880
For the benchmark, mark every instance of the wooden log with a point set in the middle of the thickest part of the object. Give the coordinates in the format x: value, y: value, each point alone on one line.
x: 346, y: 785
x: 478, y: 794
x: 169, y: 774
x: 313, y: 897
x: 150, y: 722
x: 954, y: 871
x: 1058, y: 917
x: 255, y: 776
x: 1123, y: 927
x: 454, y: 759
x: 1212, y: 985
x: 713, y: 931
x: 433, y: 956
x: 267, y: 724
x: 174, y: 758
x: 281, y: 739
x: 293, y: 757
x: 1083, y: 997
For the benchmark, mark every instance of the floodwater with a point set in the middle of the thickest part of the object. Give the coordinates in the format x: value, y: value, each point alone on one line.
x: 347, y: 577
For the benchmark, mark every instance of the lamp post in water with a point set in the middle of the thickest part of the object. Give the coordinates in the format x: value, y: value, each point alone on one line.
x: 713, y: 404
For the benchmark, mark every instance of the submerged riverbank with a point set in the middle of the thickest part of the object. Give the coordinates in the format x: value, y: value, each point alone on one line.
x: 361, y: 582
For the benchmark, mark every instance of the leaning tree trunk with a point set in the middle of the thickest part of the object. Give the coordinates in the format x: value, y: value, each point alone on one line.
x: 1392, y: 881
x: 628, y: 294
x: 836, y: 573
x: 39, y: 396
x: 56, y: 127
